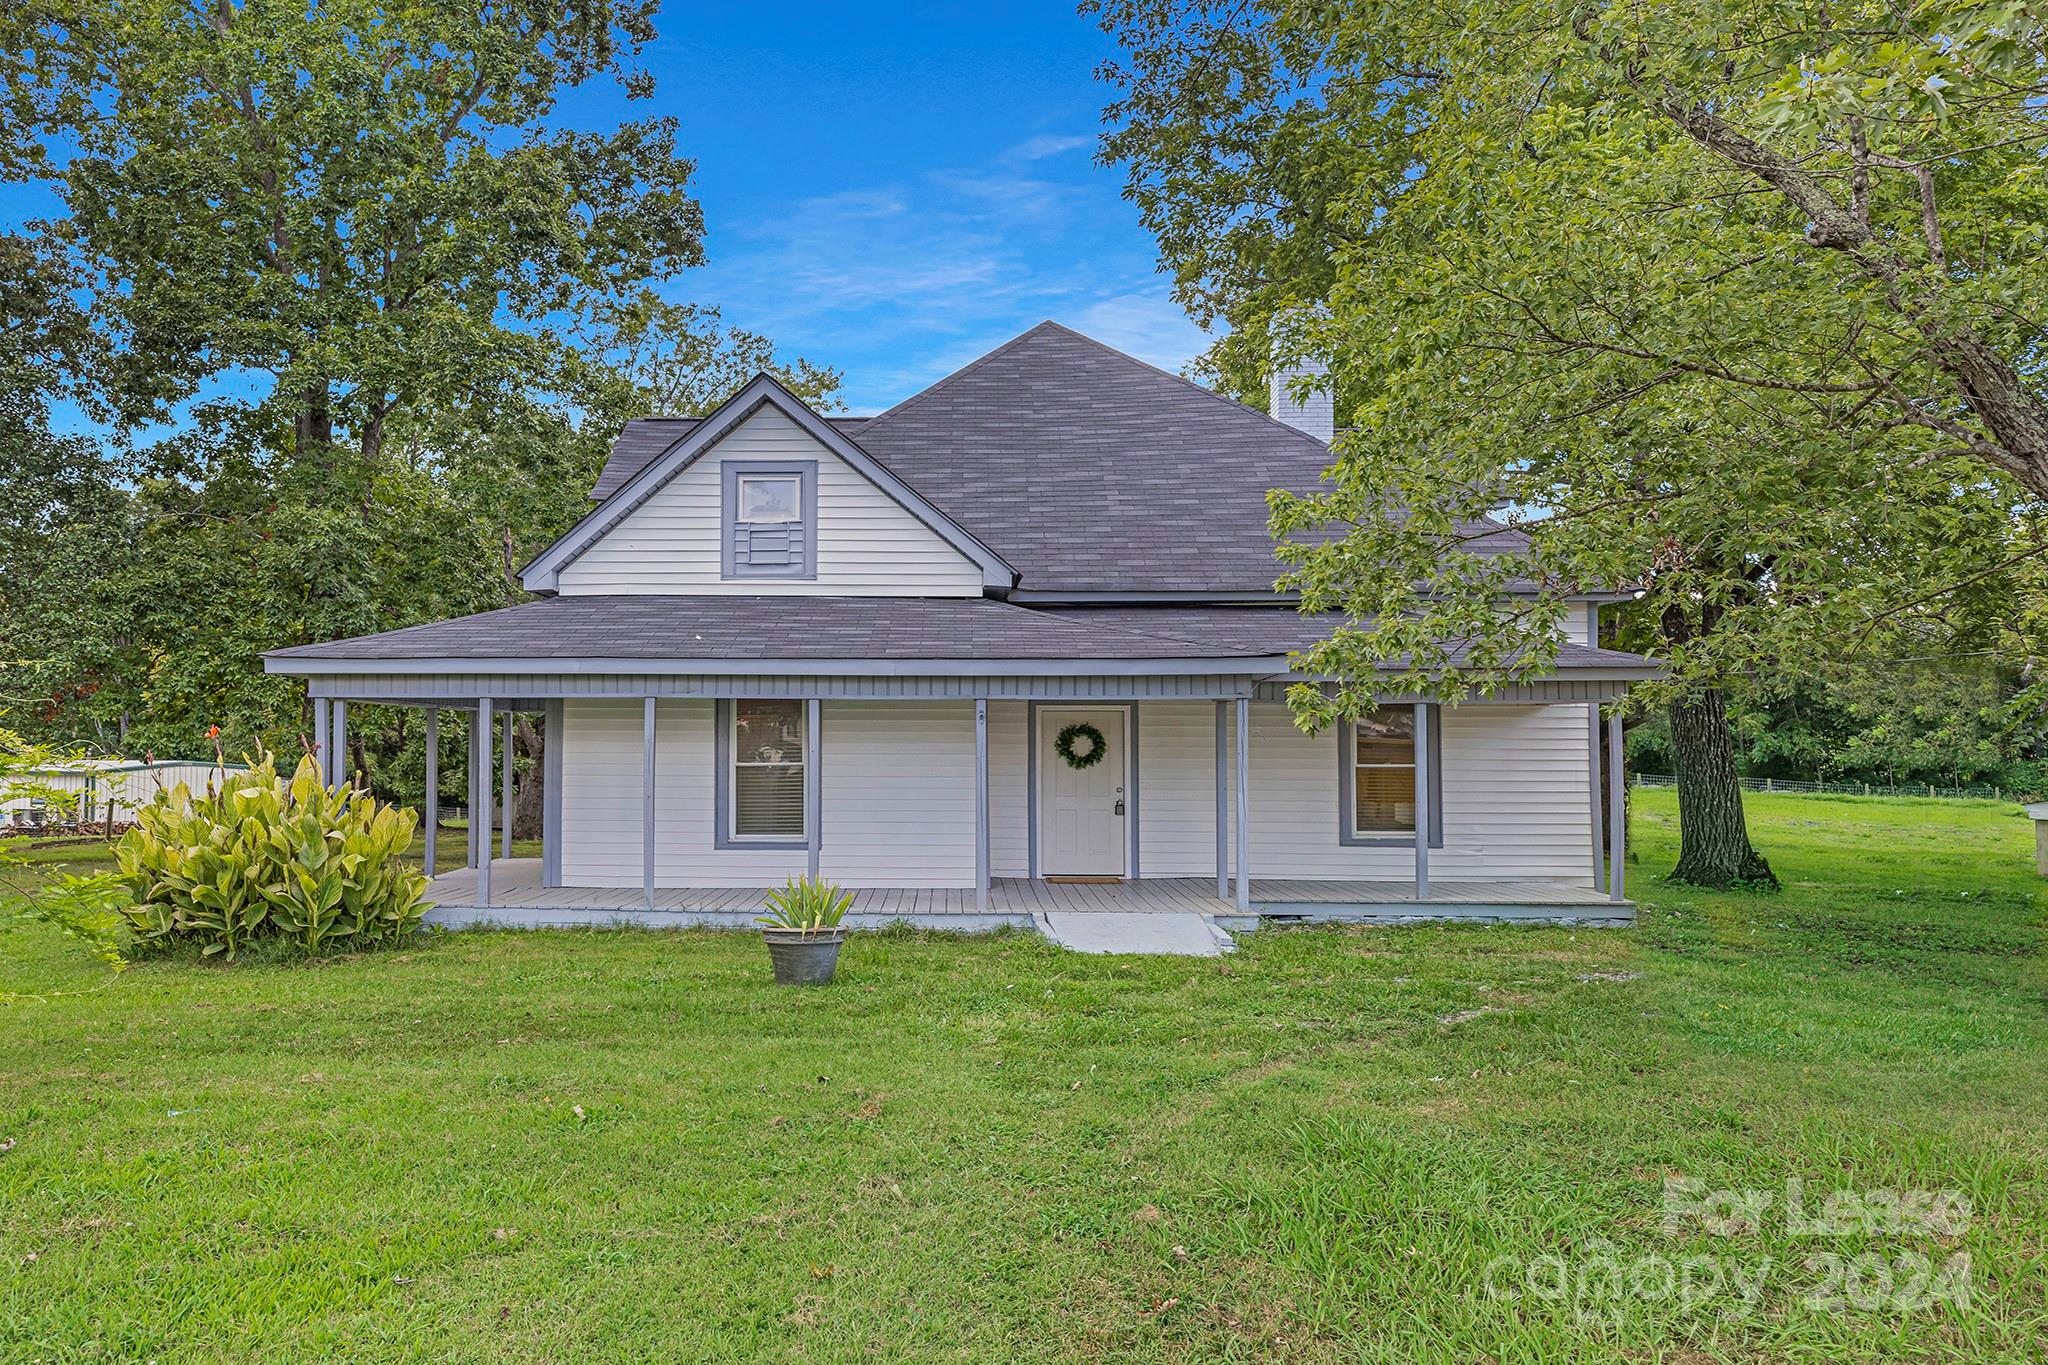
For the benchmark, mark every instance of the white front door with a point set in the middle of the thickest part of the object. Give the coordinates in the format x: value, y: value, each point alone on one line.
x: 1081, y: 829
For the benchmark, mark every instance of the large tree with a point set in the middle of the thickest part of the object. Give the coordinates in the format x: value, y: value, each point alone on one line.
x: 1733, y: 302
x: 390, y: 306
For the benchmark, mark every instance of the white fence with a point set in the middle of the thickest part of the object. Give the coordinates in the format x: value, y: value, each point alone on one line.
x: 103, y: 789
x: 1785, y: 784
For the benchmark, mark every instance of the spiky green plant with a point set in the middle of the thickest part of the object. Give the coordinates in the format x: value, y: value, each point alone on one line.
x: 807, y: 905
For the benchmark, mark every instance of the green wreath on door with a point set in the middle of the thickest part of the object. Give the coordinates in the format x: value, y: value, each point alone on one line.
x: 1066, y: 745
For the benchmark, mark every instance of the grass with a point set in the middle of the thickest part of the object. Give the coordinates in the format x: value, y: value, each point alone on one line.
x: 628, y: 1145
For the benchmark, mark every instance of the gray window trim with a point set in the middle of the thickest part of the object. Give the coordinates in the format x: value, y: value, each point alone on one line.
x: 721, y: 822
x: 730, y: 474
x: 1346, y: 830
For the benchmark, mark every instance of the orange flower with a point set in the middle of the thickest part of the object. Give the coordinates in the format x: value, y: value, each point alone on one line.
x: 213, y: 732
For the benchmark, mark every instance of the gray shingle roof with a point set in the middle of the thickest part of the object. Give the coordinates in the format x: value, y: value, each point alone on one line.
x: 759, y: 627
x: 720, y: 628
x: 1281, y: 630
x: 645, y: 438
x: 1084, y: 468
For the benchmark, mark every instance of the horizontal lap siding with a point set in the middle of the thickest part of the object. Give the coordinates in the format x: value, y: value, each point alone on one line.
x: 1177, y: 789
x: 867, y: 543
x: 601, y: 801
x: 899, y: 793
x: 1515, y: 797
x: 1009, y: 807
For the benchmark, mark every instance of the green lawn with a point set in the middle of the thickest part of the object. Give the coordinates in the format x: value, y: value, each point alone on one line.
x: 631, y: 1146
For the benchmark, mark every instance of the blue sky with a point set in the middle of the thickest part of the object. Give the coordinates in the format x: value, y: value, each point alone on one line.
x: 894, y: 189
x: 891, y: 189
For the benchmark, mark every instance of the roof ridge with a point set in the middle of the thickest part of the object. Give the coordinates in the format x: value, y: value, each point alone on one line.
x: 975, y: 364
x: 1182, y: 379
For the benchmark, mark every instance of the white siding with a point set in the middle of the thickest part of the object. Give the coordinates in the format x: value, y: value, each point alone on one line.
x: 1009, y: 808
x: 898, y: 796
x: 899, y: 793
x: 1177, y: 789
x: 1514, y: 788
x: 868, y: 544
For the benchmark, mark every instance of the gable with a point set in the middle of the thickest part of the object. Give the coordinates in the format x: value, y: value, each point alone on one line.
x: 677, y: 539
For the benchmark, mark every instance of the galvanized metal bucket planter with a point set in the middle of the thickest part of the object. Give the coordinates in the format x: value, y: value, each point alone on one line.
x: 803, y: 958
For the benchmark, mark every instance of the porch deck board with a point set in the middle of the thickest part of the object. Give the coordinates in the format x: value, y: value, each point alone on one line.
x: 516, y: 884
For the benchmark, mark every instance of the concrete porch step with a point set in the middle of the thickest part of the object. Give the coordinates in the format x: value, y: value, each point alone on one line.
x: 1174, y: 933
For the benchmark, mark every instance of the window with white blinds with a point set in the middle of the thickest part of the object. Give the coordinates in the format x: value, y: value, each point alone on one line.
x: 1383, y: 772
x: 767, y: 747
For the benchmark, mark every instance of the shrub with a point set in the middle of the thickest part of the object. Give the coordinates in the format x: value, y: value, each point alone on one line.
x: 265, y: 858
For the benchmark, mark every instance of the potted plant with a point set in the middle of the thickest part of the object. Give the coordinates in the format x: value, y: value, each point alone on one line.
x: 803, y: 930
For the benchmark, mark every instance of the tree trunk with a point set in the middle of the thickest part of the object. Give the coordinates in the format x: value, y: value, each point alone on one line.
x: 526, y: 802
x: 1713, y: 835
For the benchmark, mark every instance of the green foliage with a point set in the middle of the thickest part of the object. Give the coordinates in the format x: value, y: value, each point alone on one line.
x: 265, y: 857
x: 806, y: 904
x: 81, y: 907
x: 1732, y: 302
x: 391, y: 311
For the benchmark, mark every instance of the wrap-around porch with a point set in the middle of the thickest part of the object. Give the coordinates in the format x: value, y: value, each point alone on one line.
x: 533, y: 891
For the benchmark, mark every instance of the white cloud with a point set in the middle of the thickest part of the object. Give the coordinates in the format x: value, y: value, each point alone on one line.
x: 898, y: 284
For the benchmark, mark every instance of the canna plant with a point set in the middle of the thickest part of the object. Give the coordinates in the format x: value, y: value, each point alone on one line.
x: 263, y: 857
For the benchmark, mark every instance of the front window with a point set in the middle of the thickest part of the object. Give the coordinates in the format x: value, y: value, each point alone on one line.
x: 767, y: 770
x: 1383, y: 772
x: 770, y: 498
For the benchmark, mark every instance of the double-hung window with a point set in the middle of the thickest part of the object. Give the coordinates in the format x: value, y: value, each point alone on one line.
x: 770, y: 517
x: 1376, y: 776
x: 765, y: 783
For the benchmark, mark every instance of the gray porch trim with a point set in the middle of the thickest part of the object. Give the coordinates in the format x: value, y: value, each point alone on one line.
x: 469, y: 795
x: 323, y: 752
x: 1135, y: 830
x: 339, y: 773
x: 647, y: 780
x: 814, y: 785
x: 981, y: 855
x: 1222, y: 801
x: 721, y: 786
x: 1031, y: 791
x: 480, y: 813
x: 1429, y: 755
x: 806, y: 472
x: 459, y: 691
x: 505, y: 781
x: 1579, y: 686
x: 1599, y: 839
x: 1617, y: 799
x: 1245, y: 666
x: 432, y: 788
x: 553, y: 750
x: 1425, y: 797
x: 1244, y: 804
x: 544, y: 573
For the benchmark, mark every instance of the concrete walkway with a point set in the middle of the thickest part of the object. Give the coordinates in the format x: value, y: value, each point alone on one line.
x: 1114, y: 931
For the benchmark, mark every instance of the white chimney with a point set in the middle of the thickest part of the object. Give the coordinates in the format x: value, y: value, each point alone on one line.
x: 1314, y: 415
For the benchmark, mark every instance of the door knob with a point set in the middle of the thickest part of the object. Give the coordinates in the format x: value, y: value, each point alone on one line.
x: 1119, y: 806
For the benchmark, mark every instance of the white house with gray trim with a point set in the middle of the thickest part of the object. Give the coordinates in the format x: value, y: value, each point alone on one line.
x: 1008, y: 649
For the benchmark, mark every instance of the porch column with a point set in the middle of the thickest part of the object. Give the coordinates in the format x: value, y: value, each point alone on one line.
x: 469, y: 771
x: 1244, y: 804
x: 1617, y: 797
x: 341, y: 774
x: 483, y: 769
x: 814, y: 787
x: 1422, y: 811
x: 1593, y: 790
x: 506, y: 796
x: 551, y: 751
x: 647, y: 802
x: 320, y: 746
x: 1222, y: 802
x: 432, y: 803
x: 981, y: 804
